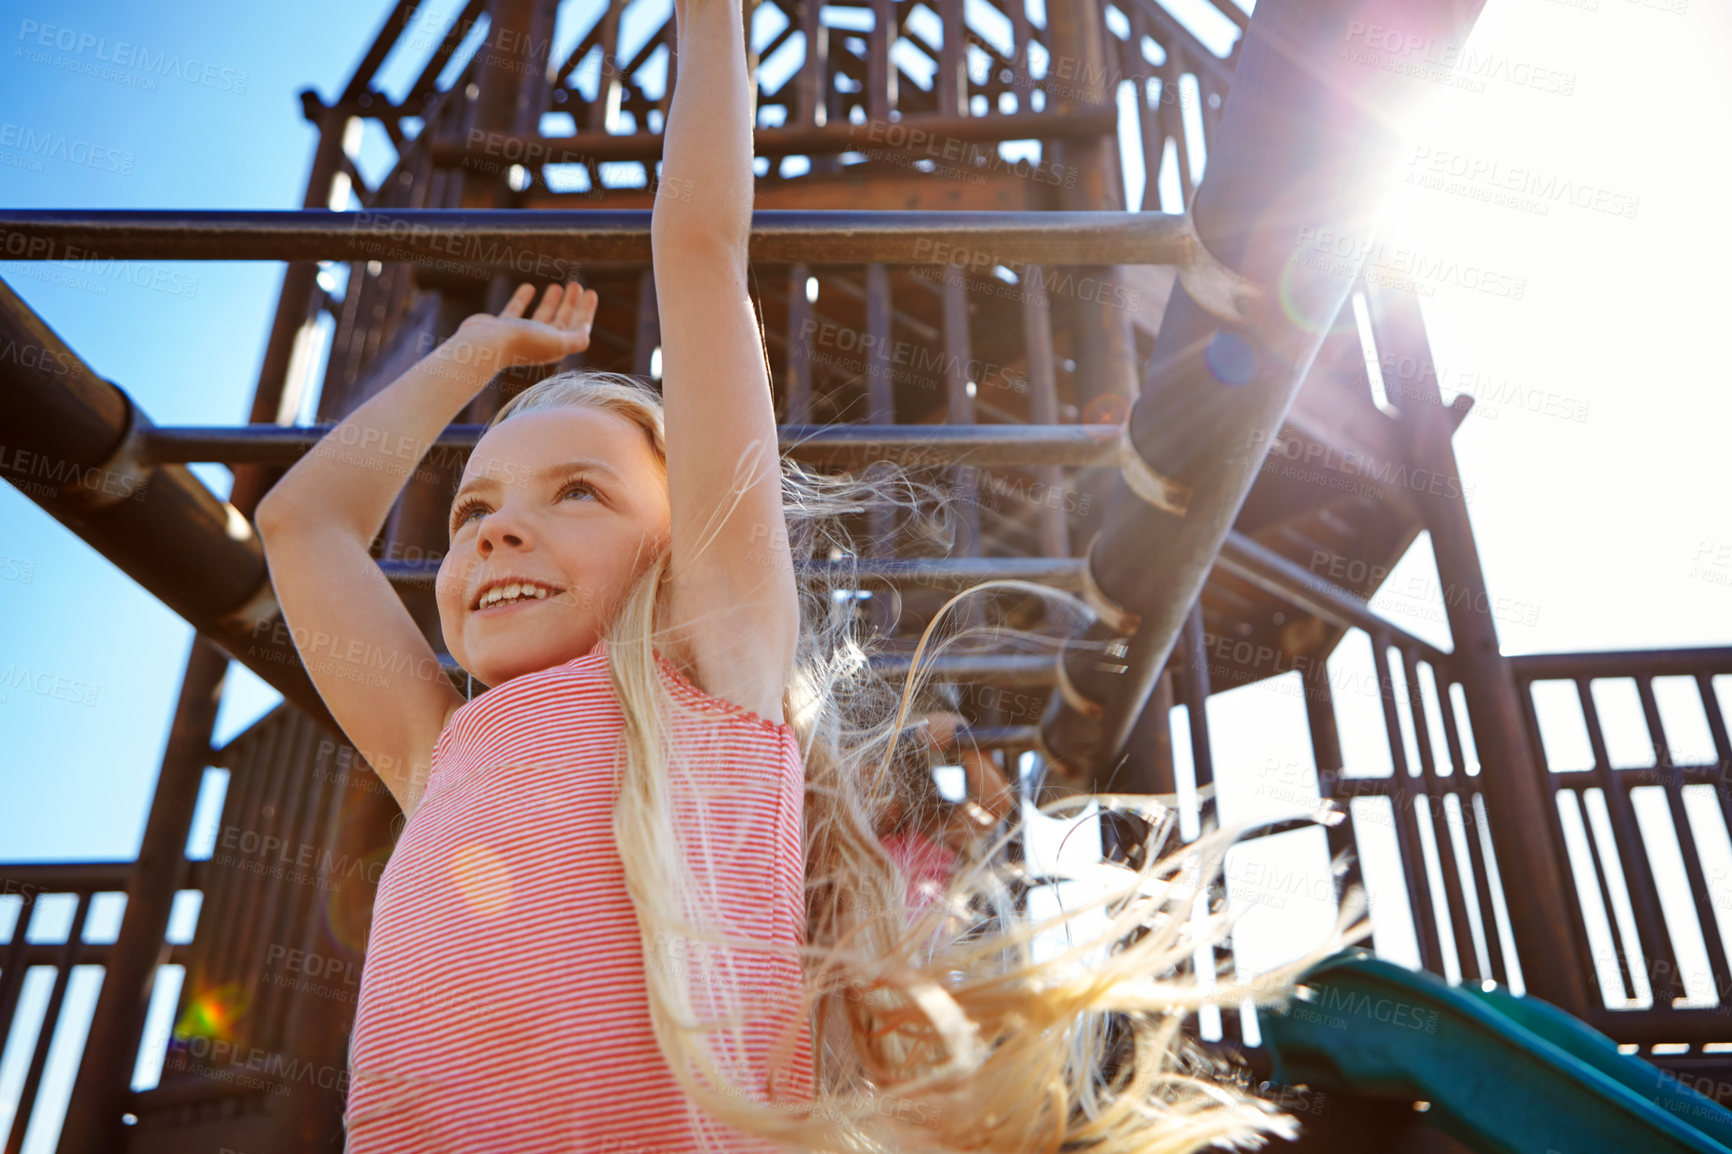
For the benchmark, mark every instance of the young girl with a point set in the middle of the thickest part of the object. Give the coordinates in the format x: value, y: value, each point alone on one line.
x: 640, y: 902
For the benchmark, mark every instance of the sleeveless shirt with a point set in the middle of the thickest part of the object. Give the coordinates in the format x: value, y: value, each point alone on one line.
x: 502, y: 1003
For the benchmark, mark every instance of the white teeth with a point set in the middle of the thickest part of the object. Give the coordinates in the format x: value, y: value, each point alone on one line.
x: 500, y: 594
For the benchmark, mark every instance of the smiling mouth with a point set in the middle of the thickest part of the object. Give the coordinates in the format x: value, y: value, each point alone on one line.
x: 531, y: 595
x: 506, y: 606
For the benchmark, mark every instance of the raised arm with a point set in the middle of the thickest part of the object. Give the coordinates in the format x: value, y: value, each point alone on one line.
x: 363, y: 651
x: 732, y: 596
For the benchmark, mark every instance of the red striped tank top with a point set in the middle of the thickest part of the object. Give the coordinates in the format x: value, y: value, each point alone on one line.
x: 502, y: 1003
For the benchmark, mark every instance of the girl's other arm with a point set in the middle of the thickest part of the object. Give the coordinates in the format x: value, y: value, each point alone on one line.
x: 732, y: 594
x: 363, y: 651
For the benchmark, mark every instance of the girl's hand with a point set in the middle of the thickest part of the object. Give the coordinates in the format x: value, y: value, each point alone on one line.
x: 559, y: 327
x: 988, y: 797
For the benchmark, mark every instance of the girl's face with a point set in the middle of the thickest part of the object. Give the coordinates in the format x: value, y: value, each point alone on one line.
x: 569, y: 503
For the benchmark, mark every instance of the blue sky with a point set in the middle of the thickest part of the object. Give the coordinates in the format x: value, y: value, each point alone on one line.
x: 1595, y: 456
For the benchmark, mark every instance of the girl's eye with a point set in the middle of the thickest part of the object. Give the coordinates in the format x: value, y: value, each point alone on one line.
x: 460, y: 516
x: 577, y: 487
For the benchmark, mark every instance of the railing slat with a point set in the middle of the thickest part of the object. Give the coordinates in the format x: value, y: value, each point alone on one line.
x: 1656, y: 942
x: 1406, y: 827
x: 1701, y: 897
x: 69, y: 955
x: 12, y: 976
x: 1470, y: 828
x: 1602, y: 879
x: 1438, y: 819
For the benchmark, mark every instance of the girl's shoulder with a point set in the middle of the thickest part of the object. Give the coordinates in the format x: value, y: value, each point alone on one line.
x: 688, y: 692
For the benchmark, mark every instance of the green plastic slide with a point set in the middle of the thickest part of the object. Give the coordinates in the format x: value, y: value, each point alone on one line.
x: 1501, y: 1073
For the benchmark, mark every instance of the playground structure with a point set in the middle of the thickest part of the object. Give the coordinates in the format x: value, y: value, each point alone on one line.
x: 1169, y: 413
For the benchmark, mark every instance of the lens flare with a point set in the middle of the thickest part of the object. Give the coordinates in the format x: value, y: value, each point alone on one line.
x: 213, y: 1013
x: 482, y: 876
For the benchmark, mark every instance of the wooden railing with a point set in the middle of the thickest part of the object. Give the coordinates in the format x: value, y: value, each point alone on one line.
x: 1642, y: 949
x: 35, y: 886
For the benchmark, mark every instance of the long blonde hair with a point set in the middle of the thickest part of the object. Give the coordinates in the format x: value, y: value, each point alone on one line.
x: 932, y: 1028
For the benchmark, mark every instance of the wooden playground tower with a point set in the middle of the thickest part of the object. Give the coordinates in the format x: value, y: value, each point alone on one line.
x: 1168, y: 413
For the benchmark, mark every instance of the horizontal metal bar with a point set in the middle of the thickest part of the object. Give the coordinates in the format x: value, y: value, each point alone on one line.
x: 841, y: 446
x: 936, y: 136
x: 85, y: 876
x: 1622, y: 663
x: 94, y: 953
x: 1697, y: 1024
x: 65, y: 877
x: 552, y: 243
x: 1637, y: 777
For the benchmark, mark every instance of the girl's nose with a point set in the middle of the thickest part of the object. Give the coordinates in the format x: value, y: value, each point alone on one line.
x: 499, y: 528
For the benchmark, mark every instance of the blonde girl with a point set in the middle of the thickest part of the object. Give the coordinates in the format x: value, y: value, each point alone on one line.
x: 640, y: 902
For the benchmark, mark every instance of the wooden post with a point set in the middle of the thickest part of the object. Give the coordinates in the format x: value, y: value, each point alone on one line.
x: 1524, y: 827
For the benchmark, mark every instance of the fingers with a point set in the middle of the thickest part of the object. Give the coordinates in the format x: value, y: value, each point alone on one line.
x: 549, y: 305
x: 575, y: 317
x: 568, y: 306
x: 588, y: 301
x: 519, y: 301
x: 577, y: 310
